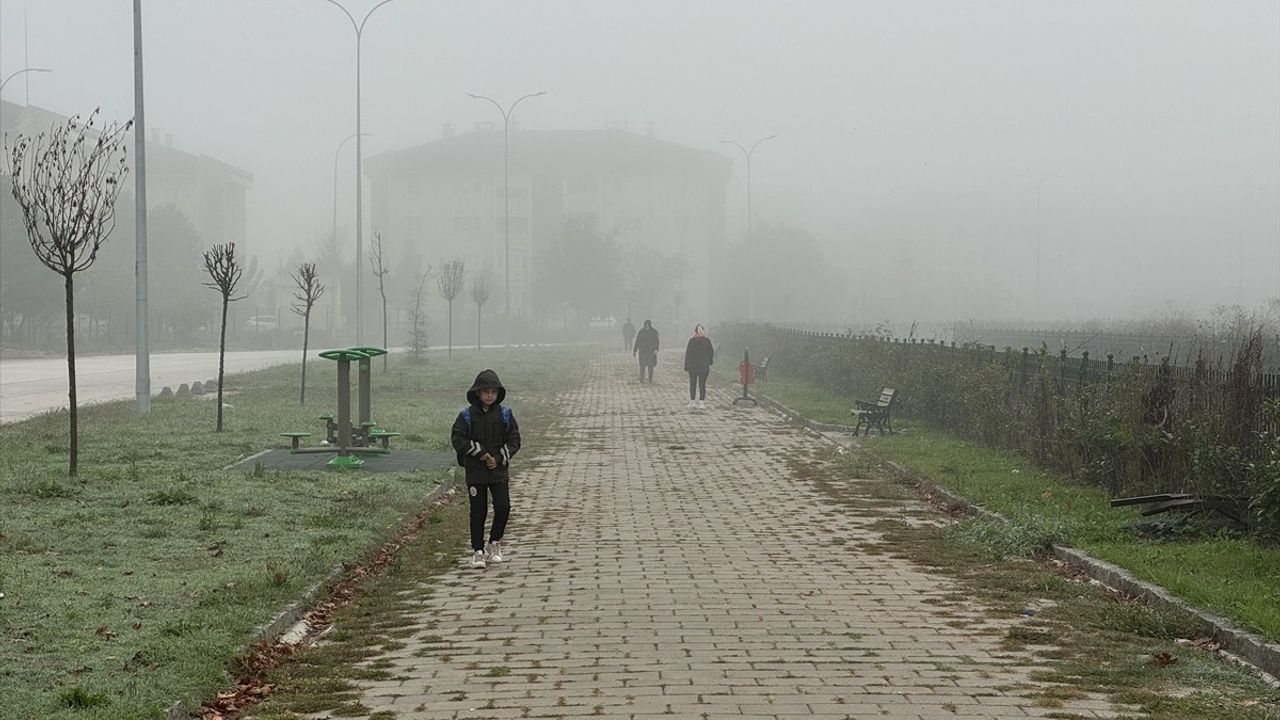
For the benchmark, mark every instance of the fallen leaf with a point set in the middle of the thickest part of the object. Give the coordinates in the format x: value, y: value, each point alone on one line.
x: 1163, y: 659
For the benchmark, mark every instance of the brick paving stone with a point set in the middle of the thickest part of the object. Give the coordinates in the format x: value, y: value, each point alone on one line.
x: 664, y: 564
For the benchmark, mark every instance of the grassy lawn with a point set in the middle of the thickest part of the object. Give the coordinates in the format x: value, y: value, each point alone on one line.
x: 136, y: 583
x: 814, y: 402
x: 1235, y: 577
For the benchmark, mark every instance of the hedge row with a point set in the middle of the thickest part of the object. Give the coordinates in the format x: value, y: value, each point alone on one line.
x: 1133, y: 428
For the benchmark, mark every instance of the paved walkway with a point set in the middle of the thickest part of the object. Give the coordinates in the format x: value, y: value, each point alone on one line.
x: 664, y: 565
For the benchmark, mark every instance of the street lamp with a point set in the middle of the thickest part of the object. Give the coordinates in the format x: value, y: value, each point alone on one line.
x: 506, y: 196
x: 747, y: 153
x: 20, y: 72
x: 359, y: 29
x: 336, y: 153
x: 1037, y: 183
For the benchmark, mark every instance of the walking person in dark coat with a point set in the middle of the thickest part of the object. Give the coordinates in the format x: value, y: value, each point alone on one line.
x: 698, y: 355
x: 628, y: 334
x: 485, y: 436
x: 646, y: 348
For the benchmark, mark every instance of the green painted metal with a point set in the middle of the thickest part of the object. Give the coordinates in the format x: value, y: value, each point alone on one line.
x: 345, y: 462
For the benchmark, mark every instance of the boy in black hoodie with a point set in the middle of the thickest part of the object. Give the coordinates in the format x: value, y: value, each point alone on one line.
x: 485, y: 436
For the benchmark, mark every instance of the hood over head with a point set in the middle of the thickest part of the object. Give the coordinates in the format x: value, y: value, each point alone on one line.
x: 486, y: 379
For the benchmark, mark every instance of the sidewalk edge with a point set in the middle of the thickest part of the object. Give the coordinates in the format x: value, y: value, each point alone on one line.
x: 275, y: 628
x: 1251, y: 648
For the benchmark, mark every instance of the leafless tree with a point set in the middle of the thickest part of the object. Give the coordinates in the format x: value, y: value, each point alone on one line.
x: 380, y: 271
x: 224, y: 270
x: 479, y: 296
x: 450, y: 281
x: 66, y: 181
x: 418, y: 317
x: 309, y: 290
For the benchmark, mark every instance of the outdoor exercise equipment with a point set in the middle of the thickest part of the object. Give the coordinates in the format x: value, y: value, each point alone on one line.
x: 365, y: 389
x: 746, y: 376
x: 346, y: 459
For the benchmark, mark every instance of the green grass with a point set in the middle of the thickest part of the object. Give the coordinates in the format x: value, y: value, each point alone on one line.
x: 814, y: 402
x: 134, y: 584
x: 1083, y: 640
x: 1232, y: 576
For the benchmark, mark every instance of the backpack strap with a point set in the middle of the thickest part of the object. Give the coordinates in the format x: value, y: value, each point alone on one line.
x: 506, y: 417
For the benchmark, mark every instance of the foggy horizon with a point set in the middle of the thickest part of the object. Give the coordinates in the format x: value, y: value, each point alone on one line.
x: 902, y: 130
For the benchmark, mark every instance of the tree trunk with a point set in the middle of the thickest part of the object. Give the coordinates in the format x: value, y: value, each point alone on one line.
x: 222, y: 354
x: 306, y: 332
x: 71, y: 376
x: 450, y: 328
x: 479, y: 317
x: 384, y: 326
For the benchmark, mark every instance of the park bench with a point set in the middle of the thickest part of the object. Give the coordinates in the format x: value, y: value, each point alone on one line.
x: 874, y: 414
x: 295, y: 437
x: 762, y: 369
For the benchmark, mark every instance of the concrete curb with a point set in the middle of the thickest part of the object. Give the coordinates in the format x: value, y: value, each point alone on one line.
x: 794, y: 416
x: 1250, y: 648
x: 291, y: 615
x: 1254, y: 649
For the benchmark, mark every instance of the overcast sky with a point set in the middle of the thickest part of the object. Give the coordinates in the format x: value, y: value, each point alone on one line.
x: 902, y: 126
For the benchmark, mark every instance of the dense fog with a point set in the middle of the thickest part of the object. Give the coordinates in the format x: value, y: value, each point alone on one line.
x: 911, y: 141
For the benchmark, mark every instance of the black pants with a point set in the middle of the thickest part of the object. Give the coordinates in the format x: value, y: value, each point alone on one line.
x: 698, y: 382
x: 644, y: 367
x: 480, y: 509
x: 627, y: 341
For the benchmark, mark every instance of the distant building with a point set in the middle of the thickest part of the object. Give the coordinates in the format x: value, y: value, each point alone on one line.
x: 444, y: 199
x: 210, y: 192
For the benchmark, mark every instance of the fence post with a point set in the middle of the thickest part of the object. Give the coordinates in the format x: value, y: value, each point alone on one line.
x: 1022, y: 366
x: 1084, y: 368
x: 1111, y: 364
x: 1062, y: 368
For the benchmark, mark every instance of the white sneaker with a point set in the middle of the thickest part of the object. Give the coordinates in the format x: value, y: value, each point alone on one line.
x: 702, y: 404
x: 477, y: 560
x: 494, y: 551
x: 693, y: 404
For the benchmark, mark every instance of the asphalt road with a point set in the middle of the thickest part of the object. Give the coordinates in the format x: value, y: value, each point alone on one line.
x: 30, y: 387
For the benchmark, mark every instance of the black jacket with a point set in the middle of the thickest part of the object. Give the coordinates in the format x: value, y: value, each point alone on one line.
x: 646, y: 341
x: 698, y: 354
x: 478, y: 430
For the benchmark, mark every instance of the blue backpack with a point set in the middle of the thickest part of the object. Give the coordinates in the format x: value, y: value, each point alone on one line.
x: 466, y: 417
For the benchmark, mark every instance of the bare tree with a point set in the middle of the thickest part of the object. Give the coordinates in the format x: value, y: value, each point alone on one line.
x: 479, y: 296
x: 309, y: 290
x: 452, y: 277
x: 380, y: 271
x: 224, y: 270
x: 418, y: 317
x: 66, y: 181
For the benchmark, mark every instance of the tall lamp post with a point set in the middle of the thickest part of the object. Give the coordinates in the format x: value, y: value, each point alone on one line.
x: 1037, y: 184
x: 747, y: 153
x: 506, y: 198
x: 23, y: 71
x: 358, y: 27
x: 336, y: 154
